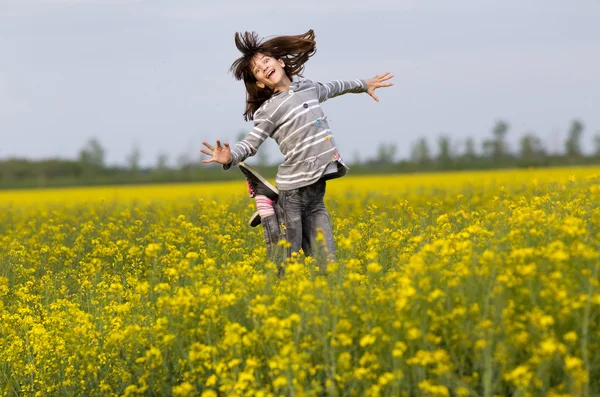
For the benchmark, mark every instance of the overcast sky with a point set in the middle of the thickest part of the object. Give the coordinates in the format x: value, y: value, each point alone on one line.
x: 155, y: 73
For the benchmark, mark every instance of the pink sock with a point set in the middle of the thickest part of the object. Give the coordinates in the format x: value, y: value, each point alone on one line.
x: 264, y: 205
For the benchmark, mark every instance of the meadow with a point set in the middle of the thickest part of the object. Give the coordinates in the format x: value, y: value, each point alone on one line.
x: 451, y: 284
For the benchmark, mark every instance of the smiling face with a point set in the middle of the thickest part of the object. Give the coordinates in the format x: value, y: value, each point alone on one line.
x: 269, y: 72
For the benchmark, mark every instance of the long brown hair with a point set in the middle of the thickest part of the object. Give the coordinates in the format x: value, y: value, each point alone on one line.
x: 293, y: 50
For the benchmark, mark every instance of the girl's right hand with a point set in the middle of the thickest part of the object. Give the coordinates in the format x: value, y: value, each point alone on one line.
x: 219, y: 154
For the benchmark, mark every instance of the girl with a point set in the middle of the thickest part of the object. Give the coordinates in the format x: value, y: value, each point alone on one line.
x: 289, y: 111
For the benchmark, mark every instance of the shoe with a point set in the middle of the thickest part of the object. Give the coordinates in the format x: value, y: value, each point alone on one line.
x: 254, y: 220
x: 257, y: 184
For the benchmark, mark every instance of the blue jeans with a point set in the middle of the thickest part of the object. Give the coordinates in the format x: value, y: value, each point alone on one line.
x: 300, y: 214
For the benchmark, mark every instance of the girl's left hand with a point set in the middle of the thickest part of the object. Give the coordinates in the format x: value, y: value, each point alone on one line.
x: 378, y: 82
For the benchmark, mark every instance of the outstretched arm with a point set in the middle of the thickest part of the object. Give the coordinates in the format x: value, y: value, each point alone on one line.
x: 263, y: 128
x: 336, y: 88
x: 339, y: 87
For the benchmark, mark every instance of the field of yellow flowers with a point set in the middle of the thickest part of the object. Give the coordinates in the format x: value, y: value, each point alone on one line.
x: 455, y: 284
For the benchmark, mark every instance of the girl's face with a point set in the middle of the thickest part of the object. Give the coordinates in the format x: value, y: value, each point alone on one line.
x: 269, y: 72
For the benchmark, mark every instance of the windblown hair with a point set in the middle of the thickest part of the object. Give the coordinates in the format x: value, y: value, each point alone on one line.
x: 293, y: 50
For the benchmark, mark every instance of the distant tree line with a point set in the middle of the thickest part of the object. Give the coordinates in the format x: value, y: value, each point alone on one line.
x: 494, y: 153
x: 90, y: 166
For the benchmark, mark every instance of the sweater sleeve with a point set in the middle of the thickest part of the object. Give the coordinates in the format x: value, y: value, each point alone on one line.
x: 263, y: 128
x: 339, y: 87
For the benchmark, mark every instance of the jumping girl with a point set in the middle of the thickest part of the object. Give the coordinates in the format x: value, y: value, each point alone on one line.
x: 289, y: 111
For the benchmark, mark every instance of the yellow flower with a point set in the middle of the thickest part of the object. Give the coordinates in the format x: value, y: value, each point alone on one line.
x: 520, y: 376
x: 570, y: 337
x: 280, y: 382
x: 191, y: 255
x: 413, y: 333
x: 211, y: 381
x: 480, y: 344
x: 431, y: 389
x: 399, y: 349
x: 374, y: 268
x: 152, y: 249
x: 573, y: 363
x: 184, y: 389
x: 367, y: 340
x: 549, y: 346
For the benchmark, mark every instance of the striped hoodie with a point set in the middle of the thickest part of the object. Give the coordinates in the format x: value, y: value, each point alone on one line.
x: 295, y: 120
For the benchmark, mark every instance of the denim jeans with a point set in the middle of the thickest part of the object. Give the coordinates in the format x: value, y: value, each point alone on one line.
x: 300, y: 214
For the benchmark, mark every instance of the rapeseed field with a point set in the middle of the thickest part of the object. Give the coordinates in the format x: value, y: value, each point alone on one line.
x: 453, y: 284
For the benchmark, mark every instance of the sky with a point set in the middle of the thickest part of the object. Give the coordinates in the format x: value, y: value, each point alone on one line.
x: 154, y: 74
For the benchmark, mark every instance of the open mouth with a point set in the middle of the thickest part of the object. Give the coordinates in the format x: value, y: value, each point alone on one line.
x: 270, y: 73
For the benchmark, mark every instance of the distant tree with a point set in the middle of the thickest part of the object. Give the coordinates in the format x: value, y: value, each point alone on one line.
x: 469, y: 154
x: 444, y: 157
x: 183, y: 161
x: 357, y: 159
x: 133, y: 159
x: 500, y: 145
x: 496, y: 149
x: 531, y: 150
x: 92, y: 154
x: 573, y: 142
x: 420, y: 153
x: 487, y: 147
x: 597, y: 145
x: 386, y: 153
x: 162, y: 162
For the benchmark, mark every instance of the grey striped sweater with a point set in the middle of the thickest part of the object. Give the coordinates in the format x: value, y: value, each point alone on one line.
x: 295, y: 120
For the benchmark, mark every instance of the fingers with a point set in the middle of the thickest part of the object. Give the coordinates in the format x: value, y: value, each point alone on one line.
x: 214, y: 151
x: 374, y: 96
x: 383, y: 77
x: 380, y: 78
x: 208, y: 146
